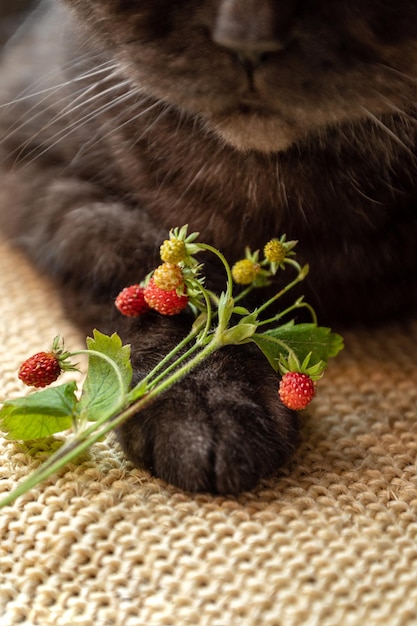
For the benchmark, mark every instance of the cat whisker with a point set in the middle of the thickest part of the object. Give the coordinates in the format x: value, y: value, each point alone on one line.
x: 71, y: 128
x: 99, y: 136
x: 397, y: 72
x: 84, y: 103
x: 164, y: 111
x: 69, y: 110
x: 38, y: 109
x: 27, y: 95
x: 38, y: 106
x: 390, y: 133
x: 405, y: 116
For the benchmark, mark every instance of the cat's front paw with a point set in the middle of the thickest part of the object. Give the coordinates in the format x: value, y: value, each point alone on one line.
x: 220, y: 429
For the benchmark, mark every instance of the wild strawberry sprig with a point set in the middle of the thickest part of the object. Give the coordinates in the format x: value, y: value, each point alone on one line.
x: 299, y: 352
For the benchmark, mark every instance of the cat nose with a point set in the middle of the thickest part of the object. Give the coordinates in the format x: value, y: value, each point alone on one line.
x: 254, y: 28
x: 250, y: 55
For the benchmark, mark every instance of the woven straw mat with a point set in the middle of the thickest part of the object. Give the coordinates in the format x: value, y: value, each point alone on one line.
x: 331, y: 540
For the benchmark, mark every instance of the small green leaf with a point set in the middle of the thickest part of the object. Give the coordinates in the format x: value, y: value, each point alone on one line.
x: 241, y: 310
x: 302, y: 339
x: 40, y: 414
x: 138, y: 392
x: 252, y: 318
x: 240, y: 333
x: 108, y: 377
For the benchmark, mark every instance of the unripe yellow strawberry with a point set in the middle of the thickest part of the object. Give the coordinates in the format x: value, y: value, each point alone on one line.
x: 245, y: 271
x: 168, y: 277
x: 274, y: 251
x: 173, y: 251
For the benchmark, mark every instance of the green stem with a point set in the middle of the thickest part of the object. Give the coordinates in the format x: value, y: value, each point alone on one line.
x: 294, y: 263
x: 300, y: 276
x: 168, y: 357
x: 175, y: 364
x: 240, y: 296
x: 229, y: 287
x: 193, y: 334
x: 296, y: 305
x: 209, y: 312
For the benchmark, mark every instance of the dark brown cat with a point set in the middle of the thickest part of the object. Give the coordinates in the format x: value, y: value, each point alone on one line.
x: 245, y: 119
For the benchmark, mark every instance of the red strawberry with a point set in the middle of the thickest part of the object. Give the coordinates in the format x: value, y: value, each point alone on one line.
x: 296, y: 390
x: 131, y: 302
x: 40, y: 370
x: 165, y: 302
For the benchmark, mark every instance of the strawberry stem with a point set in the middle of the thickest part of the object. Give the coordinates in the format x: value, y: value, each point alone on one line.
x: 302, y: 273
x: 299, y: 304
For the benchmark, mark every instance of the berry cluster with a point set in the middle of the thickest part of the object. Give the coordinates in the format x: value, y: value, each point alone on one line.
x: 175, y: 284
x: 165, y: 290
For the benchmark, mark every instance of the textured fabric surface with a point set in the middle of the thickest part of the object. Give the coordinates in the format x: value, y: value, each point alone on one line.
x: 331, y: 540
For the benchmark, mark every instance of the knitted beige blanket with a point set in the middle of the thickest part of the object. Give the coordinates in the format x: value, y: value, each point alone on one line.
x: 330, y: 541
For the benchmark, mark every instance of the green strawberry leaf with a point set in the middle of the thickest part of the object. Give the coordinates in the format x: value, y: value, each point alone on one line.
x: 40, y: 414
x: 108, y: 378
x: 301, y: 339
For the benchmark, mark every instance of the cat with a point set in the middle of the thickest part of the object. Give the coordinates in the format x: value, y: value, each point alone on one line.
x: 245, y: 119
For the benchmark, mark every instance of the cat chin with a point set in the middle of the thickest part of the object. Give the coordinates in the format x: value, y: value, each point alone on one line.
x: 255, y: 132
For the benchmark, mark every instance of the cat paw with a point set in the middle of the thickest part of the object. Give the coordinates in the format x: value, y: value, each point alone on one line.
x: 221, y: 429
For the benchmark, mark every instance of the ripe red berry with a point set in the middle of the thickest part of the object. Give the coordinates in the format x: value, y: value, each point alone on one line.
x: 131, y: 301
x: 165, y: 302
x: 296, y: 390
x: 40, y: 370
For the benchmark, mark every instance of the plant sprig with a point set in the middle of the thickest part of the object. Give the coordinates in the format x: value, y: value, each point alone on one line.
x: 107, y: 397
